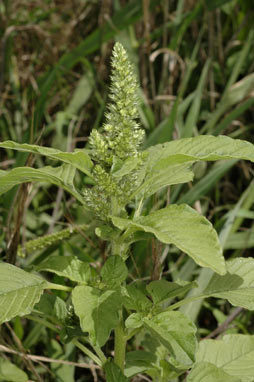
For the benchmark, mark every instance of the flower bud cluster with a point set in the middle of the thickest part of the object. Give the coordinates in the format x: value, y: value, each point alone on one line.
x: 121, y: 138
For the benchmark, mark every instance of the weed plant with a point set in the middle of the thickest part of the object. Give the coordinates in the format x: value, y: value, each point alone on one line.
x: 102, y: 304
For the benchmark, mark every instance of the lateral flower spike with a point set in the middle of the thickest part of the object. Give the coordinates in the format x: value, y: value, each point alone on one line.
x: 123, y: 134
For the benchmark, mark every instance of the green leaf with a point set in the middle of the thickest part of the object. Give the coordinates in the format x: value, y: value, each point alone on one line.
x: 61, y: 176
x: 134, y: 298
x: 207, y: 372
x: 126, y: 167
x: 82, y: 93
x: 114, y: 373
x: 161, y: 290
x: 79, y: 158
x: 215, y: 4
x: 237, y: 286
x: 186, y: 229
x: 114, y: 271
x: 234, y: 354
x: 134, y: 321
x: 164, y: 175
x: 194, y: 112
x: 176, y: 332
x: 19, y: 291
x: 67, y: 266
x: 11, y: 373
x: 202, y: 147
x: 97, y: 310
x: 51, y: 305
x: 240, y: 240
x: 138, y: 362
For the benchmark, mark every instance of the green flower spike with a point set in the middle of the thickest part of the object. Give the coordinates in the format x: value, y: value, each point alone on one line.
x: 120, y: 139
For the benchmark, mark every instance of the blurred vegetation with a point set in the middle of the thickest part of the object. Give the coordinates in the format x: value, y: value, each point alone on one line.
x: 195, y: 63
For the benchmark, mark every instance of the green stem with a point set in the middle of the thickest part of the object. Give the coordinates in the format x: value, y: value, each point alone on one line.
x: 120, y: 339
x: 87, y: 352
x: 120, y: 344
x: 58, y: 287
x: 43, y: 322
x: 183, y: 302
x: 100, y: 354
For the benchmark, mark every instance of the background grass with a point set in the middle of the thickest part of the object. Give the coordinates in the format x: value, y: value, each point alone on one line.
x: 195, y: 63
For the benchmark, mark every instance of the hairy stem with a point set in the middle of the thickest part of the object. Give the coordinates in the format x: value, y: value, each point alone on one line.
x: 120, y: 343
x: 87, y: 352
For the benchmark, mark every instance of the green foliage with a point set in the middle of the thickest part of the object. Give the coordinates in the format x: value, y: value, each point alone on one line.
x: 233, y: 354
x: 19, y: 291
x: 11, y: 373
x: 183, y: 227
x: 114, y: 182
x: 97, y: 310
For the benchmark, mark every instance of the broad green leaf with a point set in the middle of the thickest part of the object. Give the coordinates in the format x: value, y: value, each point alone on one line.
x: 61, y: 176
x: 114, y: 373
x: 52, y: 306
x: 19, y: 291
x: 134, y: 298
x: 234, y: 354
x: 161, y: 290
x: 176, y: 332
x: 97, y: 311
x: 79, y: 158
x: 134, y: 321
x: 11, y: 373
x: 164, y: 175
x: 237, y: 286
x: 186, y: 229
x: 114, y: 271
x: 126, y: 167
x: 138, y: 361
x: 202, y: 147
x: 67, y: 266
x: 207, y: 372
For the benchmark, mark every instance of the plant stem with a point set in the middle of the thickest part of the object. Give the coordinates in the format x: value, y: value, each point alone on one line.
x: 87, y: 352
x: 100, y: 354
x: 120, y: 339
x: 58, y: 287
x: 183, y: 302
x: 43, y: 322
x: 120, y: 343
